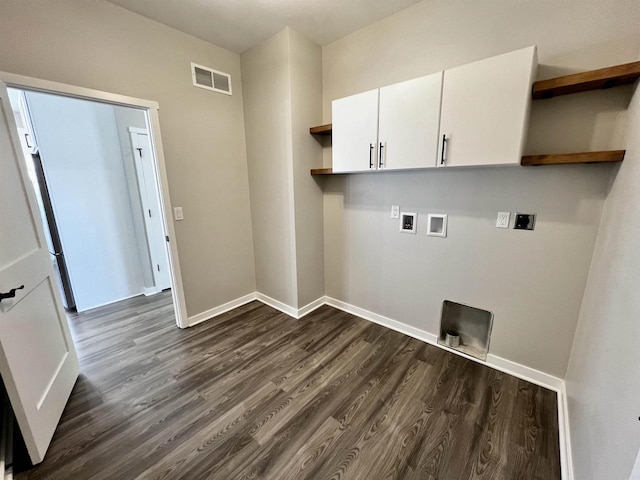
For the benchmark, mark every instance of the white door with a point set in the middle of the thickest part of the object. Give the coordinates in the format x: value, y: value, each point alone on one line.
x: 38, y: 361
x: 410, y: 123
x: 355, y: 133
x: 485, y: 110
x: 150, y: 199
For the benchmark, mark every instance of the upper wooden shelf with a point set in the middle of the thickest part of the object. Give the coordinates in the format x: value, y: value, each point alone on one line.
x: 568, y: 158
x: 582, y: 82
x: 321, y: 130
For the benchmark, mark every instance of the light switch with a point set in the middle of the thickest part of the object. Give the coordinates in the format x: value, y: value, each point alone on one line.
x: 395, y: 211
x: 503, y: 219
x: 177, y: 213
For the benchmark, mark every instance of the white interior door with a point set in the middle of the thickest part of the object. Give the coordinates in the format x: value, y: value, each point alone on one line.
x: 38, y: 361
x: 150, y: 199
x: 355, y: 132
x: 410, y: 123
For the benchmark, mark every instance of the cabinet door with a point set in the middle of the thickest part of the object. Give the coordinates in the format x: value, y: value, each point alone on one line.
x: 355, y: 132
x: 409, y: 123
x: 485, y: 110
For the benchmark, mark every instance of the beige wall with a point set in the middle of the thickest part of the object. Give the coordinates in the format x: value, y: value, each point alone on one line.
x: 98, y: 45
x: 603, y: 385
x: 306, y: 110
x: 267, y: 108
x: 282, y: 82
x: 532, y: 281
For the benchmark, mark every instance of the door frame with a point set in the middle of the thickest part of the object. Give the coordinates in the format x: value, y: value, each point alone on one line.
x: 151, y: 108
x: 151, y: 239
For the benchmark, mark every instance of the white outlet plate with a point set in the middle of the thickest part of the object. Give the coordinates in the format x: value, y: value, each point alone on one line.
x: 503, y: 219
x: 395, y: 211
x: 177, y: 213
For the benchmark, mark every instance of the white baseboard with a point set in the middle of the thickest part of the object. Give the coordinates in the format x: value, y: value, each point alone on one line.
x: 108, y: 303
x: 272, y: 302
x: 219, y: 310
x: 277, y: 304
x: 564, y: 434
x: 382, y: 320
x: 310, y: 307
x: 289, y: 310
x: 150, y: 291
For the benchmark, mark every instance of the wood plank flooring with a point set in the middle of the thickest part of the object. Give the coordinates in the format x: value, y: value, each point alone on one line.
x: 255, y: 394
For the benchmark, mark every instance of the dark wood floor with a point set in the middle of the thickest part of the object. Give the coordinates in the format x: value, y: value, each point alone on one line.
x: 257, y: 394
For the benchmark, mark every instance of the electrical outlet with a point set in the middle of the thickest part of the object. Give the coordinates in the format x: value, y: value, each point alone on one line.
x: 177, y: 213
x: 395, y: 211
x: 503, y: 219
x: 525, y: 221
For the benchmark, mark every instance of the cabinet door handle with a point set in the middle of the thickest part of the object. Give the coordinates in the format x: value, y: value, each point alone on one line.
x: 380, y: 165
x: 443, y: 156
x: 371, y: 147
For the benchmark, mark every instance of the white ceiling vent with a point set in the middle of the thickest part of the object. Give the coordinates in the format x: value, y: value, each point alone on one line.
x: 205, y: 77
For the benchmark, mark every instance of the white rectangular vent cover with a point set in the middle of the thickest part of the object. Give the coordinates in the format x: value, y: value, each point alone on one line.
x: 205, y: 77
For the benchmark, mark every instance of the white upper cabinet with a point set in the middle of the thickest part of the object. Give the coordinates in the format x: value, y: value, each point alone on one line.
x: 355, y: 132
x: 409, y: 123
x: 485, y: 110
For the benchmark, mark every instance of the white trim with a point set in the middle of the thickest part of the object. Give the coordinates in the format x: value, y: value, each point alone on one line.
x: 92, y: 307
x: 277, y: 304
x: 526, y: 373
x: 564, y: 434
x: 177, y: 288
x: 213, y: 312
x: 40, y: 85
x: 141, y: 131
x: 153, y: 121
x: 310, y: 307
x: 381, y: 320
x: 148, y: 291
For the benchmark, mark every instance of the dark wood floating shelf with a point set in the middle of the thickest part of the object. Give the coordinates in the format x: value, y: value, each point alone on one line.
x: 321, y: 171
x: 582, y: 82
x: 321, y: 130
x: 568, y: 158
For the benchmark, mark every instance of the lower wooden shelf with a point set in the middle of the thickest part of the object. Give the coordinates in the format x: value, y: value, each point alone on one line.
x: 568, y: 158
x: 321, y: 171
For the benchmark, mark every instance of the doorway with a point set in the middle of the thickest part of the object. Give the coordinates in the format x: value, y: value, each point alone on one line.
x: 152, y: 127
x: 93, y: 170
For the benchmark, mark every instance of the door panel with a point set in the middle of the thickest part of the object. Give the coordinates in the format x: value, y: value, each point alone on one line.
x: 355, y: 132
x: 485, y: 109
x: 152, y: 210
x: 410, y: 123
x: 38, y: 361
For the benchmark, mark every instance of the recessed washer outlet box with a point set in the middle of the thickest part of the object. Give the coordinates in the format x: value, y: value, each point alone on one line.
x: 408, y: 222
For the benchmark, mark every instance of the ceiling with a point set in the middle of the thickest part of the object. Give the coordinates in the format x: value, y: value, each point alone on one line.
x: 238, y: 25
